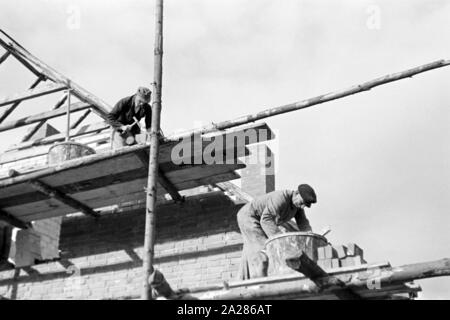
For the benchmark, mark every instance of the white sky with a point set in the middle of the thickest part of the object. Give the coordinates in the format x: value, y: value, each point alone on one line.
x: 378, y: 160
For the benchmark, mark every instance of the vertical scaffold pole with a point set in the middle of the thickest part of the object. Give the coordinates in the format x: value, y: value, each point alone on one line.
x: 153, y: 154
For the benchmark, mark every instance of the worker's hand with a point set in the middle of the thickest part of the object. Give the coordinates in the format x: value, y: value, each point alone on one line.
x: 125, y: 128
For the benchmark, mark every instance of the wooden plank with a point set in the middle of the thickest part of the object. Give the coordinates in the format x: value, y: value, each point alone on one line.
x: 13, y: 190
x: 110, y: 194
x: 11, y: 108
x: 12, y: 220
x: 234, y: 190
x: 43, y: 116
x: 207, y: 181
x: 46, y: 204
x: 58, y: 195
x: 98, y: 199
x: 201, y: 171
x: 103, y: 169
x: 103, y: 175
x: 74, y: 165
x: 76, y: 186
x: 33, y: 93
x: 100, y: 204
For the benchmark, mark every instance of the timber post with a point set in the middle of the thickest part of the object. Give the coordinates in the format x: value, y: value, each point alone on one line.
x: 153, y: 155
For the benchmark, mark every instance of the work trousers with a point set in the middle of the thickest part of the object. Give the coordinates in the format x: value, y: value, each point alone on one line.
x: 254, y: 261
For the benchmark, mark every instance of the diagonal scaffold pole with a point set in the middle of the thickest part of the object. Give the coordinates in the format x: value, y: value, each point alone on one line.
x: 150, y: 218
x: 366, y: 86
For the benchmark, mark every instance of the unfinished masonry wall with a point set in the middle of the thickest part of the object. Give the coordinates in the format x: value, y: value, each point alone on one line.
x: 198, y: 243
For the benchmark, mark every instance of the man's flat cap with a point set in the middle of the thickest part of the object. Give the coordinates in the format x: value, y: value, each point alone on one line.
x: 308, y: 195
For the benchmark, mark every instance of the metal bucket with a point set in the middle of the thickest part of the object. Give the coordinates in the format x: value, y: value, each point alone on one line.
x: 68, y: 150
x: 290, y: 244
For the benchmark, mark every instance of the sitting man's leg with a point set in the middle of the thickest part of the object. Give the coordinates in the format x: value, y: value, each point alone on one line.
x: 123, y: 139
x: 254, y: 262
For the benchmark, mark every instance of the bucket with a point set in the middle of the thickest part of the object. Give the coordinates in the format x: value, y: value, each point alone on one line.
x: 287, y: 245
x: 68, y: 150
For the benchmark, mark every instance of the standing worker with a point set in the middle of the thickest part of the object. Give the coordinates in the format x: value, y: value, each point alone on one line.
x: 262, y: 218
x: 127, y: 113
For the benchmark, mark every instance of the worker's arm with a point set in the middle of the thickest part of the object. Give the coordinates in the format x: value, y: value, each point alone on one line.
x: 268, y: 221
x: 148, y: 117
x: 302, y: 221
x: 114, y: 115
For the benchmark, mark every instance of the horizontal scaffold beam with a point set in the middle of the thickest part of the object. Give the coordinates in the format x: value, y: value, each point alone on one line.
x: 43, y: 116
x: 13, y: 221
x: 33, y: 93
x: 316, y: 274
x: 162, y: 179
x: 62, y: 197
x: 360, y: 280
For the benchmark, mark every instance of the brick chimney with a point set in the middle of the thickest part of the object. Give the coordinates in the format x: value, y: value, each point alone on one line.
x: 258, y: 177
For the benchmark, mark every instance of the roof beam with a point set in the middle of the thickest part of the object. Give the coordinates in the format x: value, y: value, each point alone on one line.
x: 13, y: 221
x: 10, y: 109
x: 33, y: 93
x: 80, y: 119
x: 99, y: 106
x: 7, y: 47
x: 62, y: 197
x: 86, y: 129
x: 43, y: 116
x: 33, y: 130
x: 162, y: 179
x: 4, y: 56
x: 316, y: 274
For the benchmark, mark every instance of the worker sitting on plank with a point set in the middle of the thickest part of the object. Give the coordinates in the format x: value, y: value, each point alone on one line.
x: 263, y: 218
x: 127, y: 113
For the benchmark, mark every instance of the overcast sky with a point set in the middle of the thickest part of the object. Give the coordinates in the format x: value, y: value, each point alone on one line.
x: 378, y: 160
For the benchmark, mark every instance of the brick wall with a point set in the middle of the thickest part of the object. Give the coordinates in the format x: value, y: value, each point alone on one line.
x: 198, y: 243
x: 258, y: 177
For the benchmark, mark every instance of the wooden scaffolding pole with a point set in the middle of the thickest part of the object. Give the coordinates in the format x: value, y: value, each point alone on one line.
x: 153, y: 156
x: 366, y: 86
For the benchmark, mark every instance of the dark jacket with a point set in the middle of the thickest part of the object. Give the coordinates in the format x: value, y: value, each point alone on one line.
x: 123, y: 113
x: 275, y: 208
